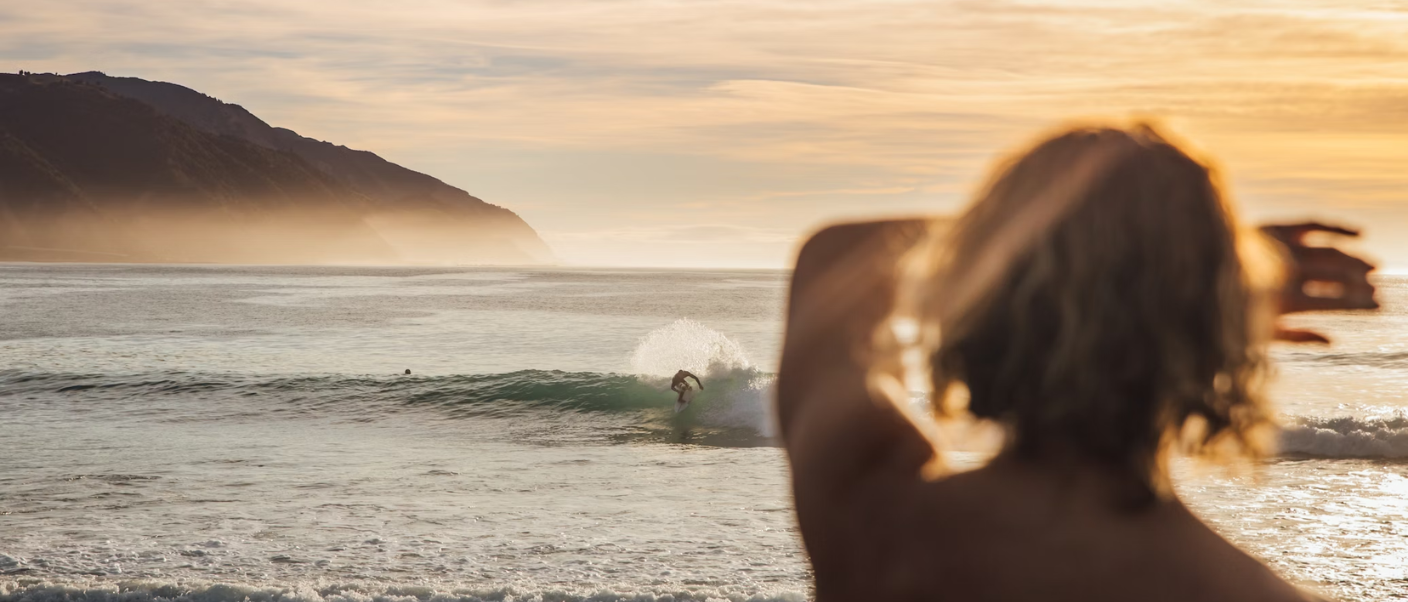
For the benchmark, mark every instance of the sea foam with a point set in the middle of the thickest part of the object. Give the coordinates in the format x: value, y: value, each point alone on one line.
x: 1346, y: 437
x: 736, y: 394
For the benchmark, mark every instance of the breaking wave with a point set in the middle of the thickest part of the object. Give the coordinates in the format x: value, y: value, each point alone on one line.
x: 1389, y: 360
x: 732, y: 397
x: 1346, y: 437
x: 736, y: 395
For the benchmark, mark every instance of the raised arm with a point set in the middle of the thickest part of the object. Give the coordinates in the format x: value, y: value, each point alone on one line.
x: 848, y: 450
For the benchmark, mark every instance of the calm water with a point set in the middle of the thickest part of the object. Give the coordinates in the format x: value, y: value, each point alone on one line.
x: 221, y: 433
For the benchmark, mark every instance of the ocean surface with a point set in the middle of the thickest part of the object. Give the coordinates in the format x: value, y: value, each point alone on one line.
x: 219, y: 434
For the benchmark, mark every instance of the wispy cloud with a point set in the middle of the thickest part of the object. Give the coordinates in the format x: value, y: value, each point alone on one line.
x: 594, y: 116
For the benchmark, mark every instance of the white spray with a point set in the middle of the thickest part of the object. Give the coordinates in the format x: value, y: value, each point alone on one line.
x: 736, y: 394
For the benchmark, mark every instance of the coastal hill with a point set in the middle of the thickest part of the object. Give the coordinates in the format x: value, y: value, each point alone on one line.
x: 97, y: 168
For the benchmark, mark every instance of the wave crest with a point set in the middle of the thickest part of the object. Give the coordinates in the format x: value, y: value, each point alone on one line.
x: 1346, y: 437
x: 735, y: 395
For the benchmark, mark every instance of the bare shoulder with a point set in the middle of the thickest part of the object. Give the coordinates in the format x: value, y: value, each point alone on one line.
x: 961, y: 524
x: 1217, y: 569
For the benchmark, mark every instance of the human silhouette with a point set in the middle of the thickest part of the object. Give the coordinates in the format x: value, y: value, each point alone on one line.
x: 679, y: 385
x: 1098, y: 302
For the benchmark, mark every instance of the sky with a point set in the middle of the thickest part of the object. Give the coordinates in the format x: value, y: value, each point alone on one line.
x: 719, y: 133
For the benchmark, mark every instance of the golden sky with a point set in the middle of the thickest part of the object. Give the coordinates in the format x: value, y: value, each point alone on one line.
x: 672, y: 132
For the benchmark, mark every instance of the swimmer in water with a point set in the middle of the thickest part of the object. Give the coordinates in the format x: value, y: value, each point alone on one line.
x: 680, y: 385
x: 1098, y: 302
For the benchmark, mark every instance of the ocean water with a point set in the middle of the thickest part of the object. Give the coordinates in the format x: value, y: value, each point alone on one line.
x: 228, y: 433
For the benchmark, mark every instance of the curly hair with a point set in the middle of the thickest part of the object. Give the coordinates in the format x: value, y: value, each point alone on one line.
x: 1099, y: 298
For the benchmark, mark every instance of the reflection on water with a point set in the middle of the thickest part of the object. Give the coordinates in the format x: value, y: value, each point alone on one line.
x: 189, y: 426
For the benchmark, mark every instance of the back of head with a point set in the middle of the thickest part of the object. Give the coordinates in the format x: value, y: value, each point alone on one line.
x: 1105, y: 305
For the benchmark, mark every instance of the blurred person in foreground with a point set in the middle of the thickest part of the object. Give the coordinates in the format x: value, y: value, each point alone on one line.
x: 1100, y: 302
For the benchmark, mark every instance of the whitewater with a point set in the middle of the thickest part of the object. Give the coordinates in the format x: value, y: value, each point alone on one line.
x: 218, y: 434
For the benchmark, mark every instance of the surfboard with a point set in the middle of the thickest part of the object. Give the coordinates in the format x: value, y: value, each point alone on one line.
x: 688, y: 397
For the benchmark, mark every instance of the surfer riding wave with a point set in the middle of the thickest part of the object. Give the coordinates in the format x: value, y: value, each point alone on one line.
x: 681, y: 386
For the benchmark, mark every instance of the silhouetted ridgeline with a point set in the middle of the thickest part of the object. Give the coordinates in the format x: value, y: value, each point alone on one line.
x: 97, y: 168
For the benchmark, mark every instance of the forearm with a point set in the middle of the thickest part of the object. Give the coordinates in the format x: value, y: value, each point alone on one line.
x: 842, y: 291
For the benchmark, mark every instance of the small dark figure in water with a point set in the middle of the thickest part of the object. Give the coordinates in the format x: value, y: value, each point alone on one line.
x: 408, y: 370
x: 680, y: 385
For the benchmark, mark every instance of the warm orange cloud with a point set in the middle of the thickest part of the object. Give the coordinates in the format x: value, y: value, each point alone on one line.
x: 599, y: 119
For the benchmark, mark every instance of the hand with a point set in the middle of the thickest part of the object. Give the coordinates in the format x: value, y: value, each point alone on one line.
x: 1335, y: 279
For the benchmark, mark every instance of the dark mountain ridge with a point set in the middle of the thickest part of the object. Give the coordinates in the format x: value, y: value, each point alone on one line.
x: 97, y: 168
